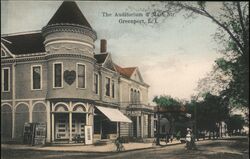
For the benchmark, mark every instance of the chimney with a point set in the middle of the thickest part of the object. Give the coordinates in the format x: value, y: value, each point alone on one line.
x: 103, y: 47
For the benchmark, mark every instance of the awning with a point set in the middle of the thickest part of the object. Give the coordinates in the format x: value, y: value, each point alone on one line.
x: 114, y: 114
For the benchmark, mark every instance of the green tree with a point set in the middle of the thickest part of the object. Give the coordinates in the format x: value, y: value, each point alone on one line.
x: 170, y: 104
x: 210, y: 112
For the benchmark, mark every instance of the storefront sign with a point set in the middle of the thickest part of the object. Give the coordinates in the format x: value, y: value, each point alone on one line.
x: 40, y: 134
x: 134, y: 113
x: 88, y: 134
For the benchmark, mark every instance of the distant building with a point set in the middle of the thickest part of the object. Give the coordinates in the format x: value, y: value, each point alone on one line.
x: 55, y: 76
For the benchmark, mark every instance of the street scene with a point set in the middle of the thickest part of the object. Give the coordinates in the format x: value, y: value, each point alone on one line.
x: 124, y: 79
x: 230, y: 148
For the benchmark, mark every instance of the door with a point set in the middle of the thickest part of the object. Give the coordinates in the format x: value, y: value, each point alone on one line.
x: 62, y: 127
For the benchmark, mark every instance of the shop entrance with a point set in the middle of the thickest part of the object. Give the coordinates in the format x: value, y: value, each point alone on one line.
x: 62, y: 130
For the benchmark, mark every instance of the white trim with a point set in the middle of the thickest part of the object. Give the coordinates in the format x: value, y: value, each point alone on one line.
x: 41, y: 77
x: 6, y: 40
x: 5, y: 48
x: 2, y: 104
x: 27, y: 99
x: 97, y: 83
x: 5, y: 68
x: 69, y: 41
x: 62, y: 103
x: 85, y: 79
x: 79, y: 103
x: 21, y: 33
x: 53, y: 75
x: 37, y: 102
x: 4, y: 52
x: 22, y: 103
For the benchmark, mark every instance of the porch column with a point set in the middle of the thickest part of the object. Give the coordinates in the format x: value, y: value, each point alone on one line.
x: 87, y: 119
x: 48, y: 121
x: 142, y: 125
x: 70, y: 126
x: 137, y: 126
x: 13, y: 120
x: 30, y: 111
x: 53, y: 127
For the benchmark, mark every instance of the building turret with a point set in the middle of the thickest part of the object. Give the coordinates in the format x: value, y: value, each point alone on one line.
x: 68, y: 31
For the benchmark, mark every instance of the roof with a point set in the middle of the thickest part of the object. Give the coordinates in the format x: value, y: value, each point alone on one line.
x: 100, y: 58
x: 70, y: 13
x: 24, y: 43
x: 127, y: 72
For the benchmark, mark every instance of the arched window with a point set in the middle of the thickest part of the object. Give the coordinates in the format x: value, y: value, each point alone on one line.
x: 39, y: 113
x: 131, y: 96
x: 138, y: 97
x: 21, y: 117
x: 135, y: 97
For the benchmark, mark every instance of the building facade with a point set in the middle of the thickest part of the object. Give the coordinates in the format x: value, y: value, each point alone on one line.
x: 55, y: 76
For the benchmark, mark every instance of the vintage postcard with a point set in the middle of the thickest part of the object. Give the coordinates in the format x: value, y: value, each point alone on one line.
x: 124, y: 79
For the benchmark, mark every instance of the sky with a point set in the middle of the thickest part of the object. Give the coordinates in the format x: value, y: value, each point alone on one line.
x: 172, y: 55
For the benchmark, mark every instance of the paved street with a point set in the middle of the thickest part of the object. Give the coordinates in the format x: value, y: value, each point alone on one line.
x: 209, y: 149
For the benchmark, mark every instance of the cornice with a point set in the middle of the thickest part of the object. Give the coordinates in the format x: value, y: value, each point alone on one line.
x: 65, y: 27
x: 46, y: 57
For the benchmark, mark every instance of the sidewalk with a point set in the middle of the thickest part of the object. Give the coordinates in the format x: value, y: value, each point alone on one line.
x: 110, y: 147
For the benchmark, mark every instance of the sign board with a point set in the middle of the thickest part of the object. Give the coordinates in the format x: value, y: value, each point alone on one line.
x: 39, y: 134
x: 134, y: 113
x: 27, y: 133
x: 88, y: 134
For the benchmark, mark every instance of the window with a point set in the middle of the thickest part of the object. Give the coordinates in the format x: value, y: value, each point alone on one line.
x: 57, y: 70
x: 113, y: 89
x: 96, y: 79
x: 6, y: 79
x: 81, y: 76
x: 107, y: 92
x: 131, y: 96
x: 36, y: 81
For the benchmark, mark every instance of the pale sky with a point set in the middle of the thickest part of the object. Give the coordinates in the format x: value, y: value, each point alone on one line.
x: 172, y: 56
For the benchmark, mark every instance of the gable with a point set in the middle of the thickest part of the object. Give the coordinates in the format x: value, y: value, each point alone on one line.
x: 108, y: 63
x: 5, y: 53
x: 136, y: 76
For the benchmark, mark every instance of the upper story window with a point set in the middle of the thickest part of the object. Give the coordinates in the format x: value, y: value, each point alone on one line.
x: 36, y: 77
x: 57, y: 75
x: 81, y: 78
x: 107, y: 86
x: 5, y: 79
x: 96, y: 79
x: 113, y: 89
x: 134, y: 96
x: 131, y: 95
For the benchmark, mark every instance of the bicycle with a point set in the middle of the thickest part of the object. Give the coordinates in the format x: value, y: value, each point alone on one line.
x: 119, y: 146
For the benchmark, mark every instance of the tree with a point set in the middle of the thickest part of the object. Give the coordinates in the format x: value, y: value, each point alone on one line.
x: 235, y: 122
x: 210, y: 112
x: 170, y: 104
x: 232, y: 19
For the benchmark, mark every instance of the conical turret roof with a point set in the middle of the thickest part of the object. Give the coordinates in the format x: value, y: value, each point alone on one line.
x: 69, y: 13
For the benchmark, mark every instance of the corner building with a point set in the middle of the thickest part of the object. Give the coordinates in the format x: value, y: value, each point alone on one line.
x: 54, y: 76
